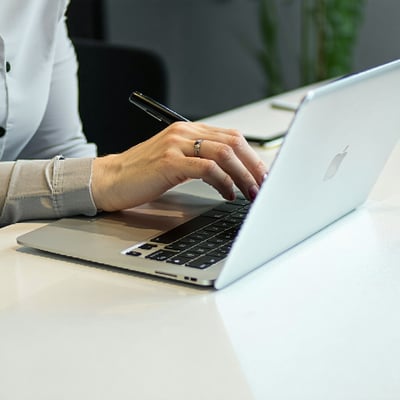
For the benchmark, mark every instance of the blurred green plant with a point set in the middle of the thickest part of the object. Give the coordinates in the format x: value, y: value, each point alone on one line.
x: 328, y: 33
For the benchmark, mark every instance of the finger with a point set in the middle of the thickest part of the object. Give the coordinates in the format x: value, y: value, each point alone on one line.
x: 195, y: 130
x: 227, y: 160
x: 230, y: 137
x: 210, y: 172
x: 246, y: 154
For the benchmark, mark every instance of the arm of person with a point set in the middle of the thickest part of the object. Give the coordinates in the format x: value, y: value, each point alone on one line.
x: 42, y: 184
x: 45, y: 189
x: 63, y: 187
x: 60, y: 131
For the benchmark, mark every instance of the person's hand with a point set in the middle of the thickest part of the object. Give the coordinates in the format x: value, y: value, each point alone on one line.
x: 182, y: 151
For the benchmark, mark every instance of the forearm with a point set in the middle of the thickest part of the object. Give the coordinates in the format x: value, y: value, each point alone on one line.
x: 44, y: 189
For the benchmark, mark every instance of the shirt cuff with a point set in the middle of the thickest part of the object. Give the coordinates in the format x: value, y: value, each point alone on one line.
x: 43, y: 189
x: 74, y: 195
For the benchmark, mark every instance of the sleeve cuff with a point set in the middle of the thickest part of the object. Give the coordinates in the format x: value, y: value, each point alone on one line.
x: 73, y: 193
x: 44, y: 189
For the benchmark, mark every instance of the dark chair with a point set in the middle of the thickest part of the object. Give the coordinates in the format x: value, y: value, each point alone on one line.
x: 107, y: 76
x: 86, y: 19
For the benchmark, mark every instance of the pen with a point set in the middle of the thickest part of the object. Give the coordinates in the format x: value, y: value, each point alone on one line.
x: 283, y: 105
x: 164, y: 114
x: 271, y: 141
x: 155, y: 109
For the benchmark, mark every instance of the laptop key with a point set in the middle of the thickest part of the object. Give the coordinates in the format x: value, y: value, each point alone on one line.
x: 178, y: 260
x: 241, y: 201
x: 180, y: 245
x: 133, y: 253
x: 228, y: 207
x: 214, y: 229
x: 189, y: 255
x: 215, y: 214
x: 199, y: 250
x: 209, y: 245
x: 198, y: 236
x: 147, y: 246
x: 203, y: 262
x: 161, y: 255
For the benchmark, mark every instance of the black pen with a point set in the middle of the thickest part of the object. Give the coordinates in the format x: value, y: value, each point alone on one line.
x: 271, y: 141
x: 164, y: 114
x: 155, y: 109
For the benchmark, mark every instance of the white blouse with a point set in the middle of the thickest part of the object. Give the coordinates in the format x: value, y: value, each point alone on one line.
x: 45, y: 160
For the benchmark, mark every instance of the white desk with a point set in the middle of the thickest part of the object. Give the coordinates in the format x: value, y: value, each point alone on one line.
x: 320, y: 322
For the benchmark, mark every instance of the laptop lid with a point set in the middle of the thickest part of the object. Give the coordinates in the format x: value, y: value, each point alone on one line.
x: 332, y: 155
x: 334, y: 150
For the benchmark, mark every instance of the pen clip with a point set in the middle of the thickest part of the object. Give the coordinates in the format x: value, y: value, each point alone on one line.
x: 153, y: 114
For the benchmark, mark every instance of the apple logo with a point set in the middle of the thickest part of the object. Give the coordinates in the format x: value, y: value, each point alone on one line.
x: 335, y: 164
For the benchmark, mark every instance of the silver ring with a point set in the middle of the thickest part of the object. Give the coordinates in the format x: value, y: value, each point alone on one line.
x: 196, y: 147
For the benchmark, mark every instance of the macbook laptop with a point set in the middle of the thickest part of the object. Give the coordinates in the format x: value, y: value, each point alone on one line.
x: 332, y: 154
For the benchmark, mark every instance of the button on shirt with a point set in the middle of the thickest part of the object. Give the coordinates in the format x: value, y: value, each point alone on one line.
x: 45, y: 160
x: 2, y: 129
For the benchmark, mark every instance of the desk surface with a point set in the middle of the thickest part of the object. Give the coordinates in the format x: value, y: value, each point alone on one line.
x: 321, y: 321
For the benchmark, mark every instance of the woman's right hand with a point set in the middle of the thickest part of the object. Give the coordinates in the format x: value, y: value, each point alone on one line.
x: 145, y: 171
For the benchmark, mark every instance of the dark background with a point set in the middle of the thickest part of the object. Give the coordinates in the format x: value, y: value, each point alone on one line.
x: 209, y: 45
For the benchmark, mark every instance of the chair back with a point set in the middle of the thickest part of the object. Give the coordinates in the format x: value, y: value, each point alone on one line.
x: 107, y: 75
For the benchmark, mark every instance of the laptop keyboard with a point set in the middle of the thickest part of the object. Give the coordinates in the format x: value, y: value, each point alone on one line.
x: 201, y: 241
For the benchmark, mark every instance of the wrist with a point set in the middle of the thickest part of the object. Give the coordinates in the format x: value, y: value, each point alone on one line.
x: 101, y: 182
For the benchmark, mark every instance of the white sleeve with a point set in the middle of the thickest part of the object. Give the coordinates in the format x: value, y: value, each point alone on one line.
x: 42, y: 184
x: 60, y: 131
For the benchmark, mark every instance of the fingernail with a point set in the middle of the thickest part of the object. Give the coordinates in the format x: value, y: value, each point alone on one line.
x: 253, y: 191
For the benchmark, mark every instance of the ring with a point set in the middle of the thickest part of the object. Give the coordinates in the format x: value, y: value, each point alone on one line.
x: 196, y: 147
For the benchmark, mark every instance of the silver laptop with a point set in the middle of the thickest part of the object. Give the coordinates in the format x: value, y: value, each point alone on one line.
x: 332, y: 154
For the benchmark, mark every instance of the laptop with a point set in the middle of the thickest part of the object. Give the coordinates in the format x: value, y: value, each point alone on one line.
x: 334, y: 150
